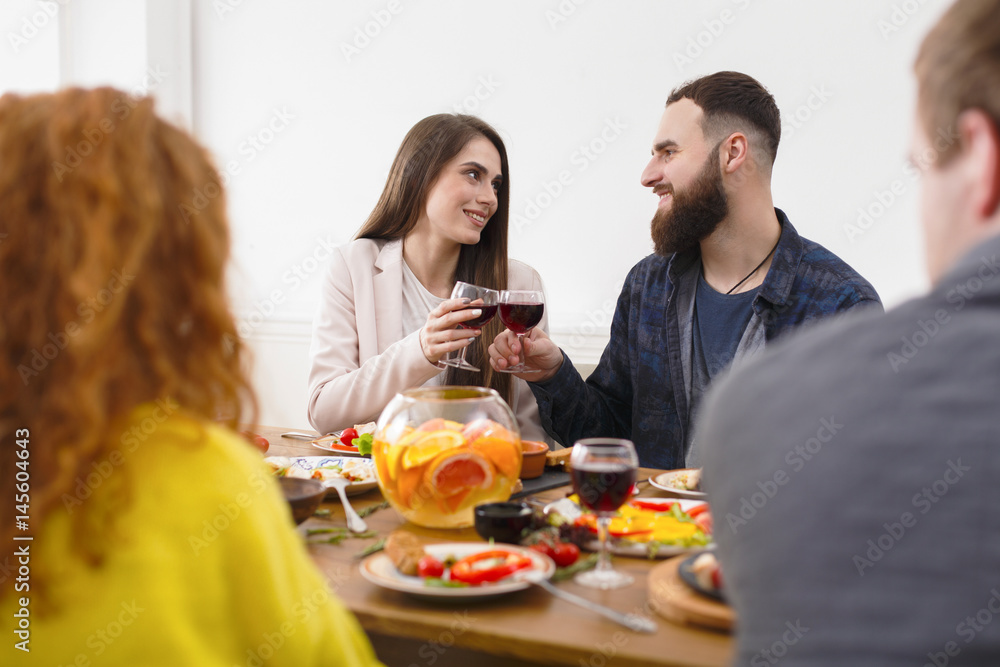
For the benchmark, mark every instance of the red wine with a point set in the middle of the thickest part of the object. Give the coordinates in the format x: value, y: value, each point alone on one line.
x: 603, y: 486
x: 521, y: 317
x: 477, y: 322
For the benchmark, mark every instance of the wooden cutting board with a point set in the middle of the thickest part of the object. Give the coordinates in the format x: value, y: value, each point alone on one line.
x: 671, y: 598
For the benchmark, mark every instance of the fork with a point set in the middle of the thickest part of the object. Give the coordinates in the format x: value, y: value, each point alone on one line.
x: 355, y: 523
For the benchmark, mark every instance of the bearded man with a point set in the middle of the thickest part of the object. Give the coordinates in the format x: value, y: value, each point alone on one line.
x: 729, y: 275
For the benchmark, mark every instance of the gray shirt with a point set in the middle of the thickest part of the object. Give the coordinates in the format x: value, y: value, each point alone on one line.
x: 853, y: 475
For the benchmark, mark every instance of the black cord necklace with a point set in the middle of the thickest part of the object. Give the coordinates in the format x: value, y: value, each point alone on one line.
x: 756, y: 268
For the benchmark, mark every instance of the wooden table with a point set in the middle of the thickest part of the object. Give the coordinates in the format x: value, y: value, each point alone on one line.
x: 529, y: 627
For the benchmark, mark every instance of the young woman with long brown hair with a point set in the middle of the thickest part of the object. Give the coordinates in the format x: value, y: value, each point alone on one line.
x: 159, y: 536
x: 387, y: 318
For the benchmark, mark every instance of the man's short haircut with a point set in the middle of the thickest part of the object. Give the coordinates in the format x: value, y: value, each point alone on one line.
x: 958, y: 68
x: 731, y: 102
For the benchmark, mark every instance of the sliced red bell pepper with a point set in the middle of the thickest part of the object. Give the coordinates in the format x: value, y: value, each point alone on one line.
x: 646, y: 505
x: 695, y: 511
x: 507, y: 564
x: 342, y: 448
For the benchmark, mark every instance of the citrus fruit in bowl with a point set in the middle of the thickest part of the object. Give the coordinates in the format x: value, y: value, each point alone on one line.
x: 440, y: 451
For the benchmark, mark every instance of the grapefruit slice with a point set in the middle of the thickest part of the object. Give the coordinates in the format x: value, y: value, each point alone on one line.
x: 438, y: 424
x: 486, y: 427
x: 504, y: 454
x: 452, y: 473
x: 429, y: 446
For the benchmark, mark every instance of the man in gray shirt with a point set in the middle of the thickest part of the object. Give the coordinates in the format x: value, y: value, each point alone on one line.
x: 854, y: 472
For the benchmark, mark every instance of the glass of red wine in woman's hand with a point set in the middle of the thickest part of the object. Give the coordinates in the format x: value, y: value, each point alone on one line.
x: 483, y: 298
x: 604, y: 471
x: 521, y: 311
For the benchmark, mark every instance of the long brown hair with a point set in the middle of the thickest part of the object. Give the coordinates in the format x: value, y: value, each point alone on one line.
x: 113, y: 244
x: 426, y: 149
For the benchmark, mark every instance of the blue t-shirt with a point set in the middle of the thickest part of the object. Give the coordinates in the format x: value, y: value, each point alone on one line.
x: 719, y: 322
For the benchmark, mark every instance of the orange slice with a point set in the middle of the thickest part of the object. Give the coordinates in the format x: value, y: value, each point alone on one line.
x: 407, y: 485
x: 454, y: 472
x: 428, y: 446
x: 504, y: 454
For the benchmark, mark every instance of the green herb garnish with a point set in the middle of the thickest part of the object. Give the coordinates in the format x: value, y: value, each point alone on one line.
x: 372, y: 548
x: 364, y: 444
x: 444, y: 583
x: 583, y: 563
x: 373, y: 508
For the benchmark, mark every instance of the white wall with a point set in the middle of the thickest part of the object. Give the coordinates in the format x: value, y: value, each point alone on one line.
x: 307, y: 129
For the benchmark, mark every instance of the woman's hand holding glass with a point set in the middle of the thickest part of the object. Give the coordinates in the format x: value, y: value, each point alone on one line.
x: 482, y: 307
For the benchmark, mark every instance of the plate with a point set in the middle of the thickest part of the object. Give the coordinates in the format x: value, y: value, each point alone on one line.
x: 379, y: 570
x: 324, y: 444
x: 302, y: 466
x: 623, y: 547
x: 686, y: 575
x: 662, y: 482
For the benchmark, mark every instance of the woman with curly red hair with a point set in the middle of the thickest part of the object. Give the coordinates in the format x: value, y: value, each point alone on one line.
x: 122, y: 379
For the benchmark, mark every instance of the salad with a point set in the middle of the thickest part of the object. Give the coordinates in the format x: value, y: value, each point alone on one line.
x: 641, y: 526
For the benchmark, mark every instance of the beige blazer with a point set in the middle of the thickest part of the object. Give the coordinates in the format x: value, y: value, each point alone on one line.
x: 360, y: 358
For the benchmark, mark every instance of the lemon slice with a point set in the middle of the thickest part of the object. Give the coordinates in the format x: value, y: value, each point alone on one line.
x: 430, y: 445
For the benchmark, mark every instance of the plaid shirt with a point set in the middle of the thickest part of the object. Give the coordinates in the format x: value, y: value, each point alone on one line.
x: 641, y: 390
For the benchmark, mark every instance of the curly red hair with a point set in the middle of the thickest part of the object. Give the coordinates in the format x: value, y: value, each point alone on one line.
x: 111, y: 281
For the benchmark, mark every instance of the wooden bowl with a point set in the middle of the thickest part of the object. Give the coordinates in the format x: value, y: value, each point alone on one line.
x: 533, y: 458
x: 303, y: 495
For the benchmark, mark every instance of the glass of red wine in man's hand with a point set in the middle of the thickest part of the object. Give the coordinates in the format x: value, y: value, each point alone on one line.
x: 483, y: 298
x: 521, y: 311
x: 604, y: 471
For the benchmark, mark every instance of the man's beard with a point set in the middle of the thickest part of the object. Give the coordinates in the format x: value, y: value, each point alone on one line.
x: 694, y: 213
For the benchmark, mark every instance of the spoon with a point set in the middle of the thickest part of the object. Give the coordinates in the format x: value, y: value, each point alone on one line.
x: 633, y: 622
x: 355, y: 523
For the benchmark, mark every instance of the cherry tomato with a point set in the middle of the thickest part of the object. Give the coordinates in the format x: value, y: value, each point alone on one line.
x: 544, y: 548
x: 430, y: 567
x: 717, y: 578
x: 565, y: 553
x: 348, y: 435
x: 258, y: 441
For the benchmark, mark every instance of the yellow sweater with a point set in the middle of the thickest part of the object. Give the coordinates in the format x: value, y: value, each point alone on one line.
x: 205, y: 567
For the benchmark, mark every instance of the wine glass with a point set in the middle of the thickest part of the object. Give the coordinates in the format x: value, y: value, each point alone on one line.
x: 474, y: 293
x: 520, y: 311
x: 604, y: 471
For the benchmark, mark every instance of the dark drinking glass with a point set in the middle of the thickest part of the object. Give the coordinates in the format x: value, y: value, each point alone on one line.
x: 604, y: 471
x: 483, y: 298
x: 477, y: 322
x: 521, y: 317
x: 521, y: 311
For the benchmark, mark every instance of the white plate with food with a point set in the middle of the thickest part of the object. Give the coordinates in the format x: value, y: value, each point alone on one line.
x: 380, y: 570
x: 359, y: 472
x: 334, y: 443
x: 683, y: 483
x: 647, y: 527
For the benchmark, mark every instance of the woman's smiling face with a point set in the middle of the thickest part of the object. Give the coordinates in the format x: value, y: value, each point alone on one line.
x: 464, y: 196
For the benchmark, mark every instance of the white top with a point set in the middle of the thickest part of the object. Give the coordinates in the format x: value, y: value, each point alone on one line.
x: 418, y: 303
